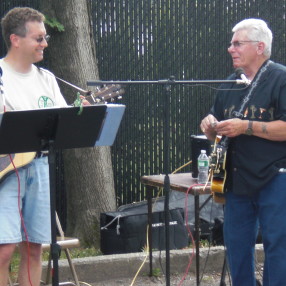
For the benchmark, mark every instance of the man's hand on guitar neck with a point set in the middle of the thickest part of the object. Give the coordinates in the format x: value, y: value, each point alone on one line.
x: 229, y: 128
x: 84, y: 101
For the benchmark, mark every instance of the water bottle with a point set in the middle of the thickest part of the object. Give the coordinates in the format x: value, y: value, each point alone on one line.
x: 203, y: 167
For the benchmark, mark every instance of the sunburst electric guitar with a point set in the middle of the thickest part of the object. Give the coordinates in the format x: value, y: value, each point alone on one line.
x: 10, y: 162
x: 217, y: 168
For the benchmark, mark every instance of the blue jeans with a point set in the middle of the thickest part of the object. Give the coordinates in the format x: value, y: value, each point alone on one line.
x: 243, y: 215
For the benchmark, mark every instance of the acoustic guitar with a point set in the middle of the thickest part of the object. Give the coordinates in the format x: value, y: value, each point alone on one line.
x: 10, y: 162
x: 105, y: 94
x: 217, y: 168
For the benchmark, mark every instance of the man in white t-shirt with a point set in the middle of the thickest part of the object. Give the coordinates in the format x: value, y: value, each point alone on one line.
x: 25, y: 209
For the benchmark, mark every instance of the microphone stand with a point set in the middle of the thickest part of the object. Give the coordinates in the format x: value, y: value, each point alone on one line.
x: 167, y: 84
x: 170, y: 81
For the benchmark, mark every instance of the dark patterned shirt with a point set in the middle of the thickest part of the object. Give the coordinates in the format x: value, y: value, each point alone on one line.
x: 253, y: 161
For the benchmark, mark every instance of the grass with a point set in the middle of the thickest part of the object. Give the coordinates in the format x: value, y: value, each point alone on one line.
x: 79, y: 252
x: 156, y: 272
x: 204, y: 243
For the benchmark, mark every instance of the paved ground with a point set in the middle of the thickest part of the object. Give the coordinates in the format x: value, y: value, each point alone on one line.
x: 120, y: 270
x: 175, y: 280
x: 211, y: 279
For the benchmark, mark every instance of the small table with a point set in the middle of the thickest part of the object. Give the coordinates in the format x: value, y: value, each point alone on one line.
x: 182, y: 182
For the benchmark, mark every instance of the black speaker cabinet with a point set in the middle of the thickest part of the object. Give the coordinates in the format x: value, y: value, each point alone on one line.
x: 198, y: 143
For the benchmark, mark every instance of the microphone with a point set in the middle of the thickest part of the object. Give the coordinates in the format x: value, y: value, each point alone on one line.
x: 243, y: 79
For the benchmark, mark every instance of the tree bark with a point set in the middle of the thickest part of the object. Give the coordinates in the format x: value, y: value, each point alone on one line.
x: 88, y: 171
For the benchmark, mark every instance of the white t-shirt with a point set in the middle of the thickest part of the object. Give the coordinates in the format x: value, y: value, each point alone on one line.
x: 34, y: 90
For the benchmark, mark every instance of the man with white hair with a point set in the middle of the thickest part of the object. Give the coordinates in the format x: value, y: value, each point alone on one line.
x: 252, y: 123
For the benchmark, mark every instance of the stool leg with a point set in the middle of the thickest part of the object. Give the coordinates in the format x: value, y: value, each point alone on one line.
x: 72, y: 267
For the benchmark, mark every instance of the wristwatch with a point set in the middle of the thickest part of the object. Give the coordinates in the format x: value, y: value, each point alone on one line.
x: 249, y: 130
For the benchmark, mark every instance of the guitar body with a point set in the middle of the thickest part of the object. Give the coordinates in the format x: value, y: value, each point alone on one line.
x: 218, y: 170
x: 19, y: 160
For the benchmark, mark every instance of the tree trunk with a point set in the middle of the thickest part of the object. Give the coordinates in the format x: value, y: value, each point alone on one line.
x: 88, y: 171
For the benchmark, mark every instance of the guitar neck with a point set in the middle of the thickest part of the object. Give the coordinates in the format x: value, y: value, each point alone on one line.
x: 224, y: 142
x: 104, y: 94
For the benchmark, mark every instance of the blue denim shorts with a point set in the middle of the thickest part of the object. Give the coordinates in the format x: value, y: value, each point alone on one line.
x: 34, y: 201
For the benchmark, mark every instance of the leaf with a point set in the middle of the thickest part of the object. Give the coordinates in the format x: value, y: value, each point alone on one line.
x: 54, y: 24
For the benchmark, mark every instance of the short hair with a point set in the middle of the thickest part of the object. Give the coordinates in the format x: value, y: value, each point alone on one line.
x: 14, y: 22
x: 257, y: 31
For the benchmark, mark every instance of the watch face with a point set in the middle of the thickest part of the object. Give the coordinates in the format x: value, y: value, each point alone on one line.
x: 249, y: 131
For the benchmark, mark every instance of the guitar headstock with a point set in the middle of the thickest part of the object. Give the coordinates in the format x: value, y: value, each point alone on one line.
x: 105, y: 94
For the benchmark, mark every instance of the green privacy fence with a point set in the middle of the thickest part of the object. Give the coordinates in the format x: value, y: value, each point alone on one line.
x: 149, y: 40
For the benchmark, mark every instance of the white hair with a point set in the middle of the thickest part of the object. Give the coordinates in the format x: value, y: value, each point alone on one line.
x: 257, y: 30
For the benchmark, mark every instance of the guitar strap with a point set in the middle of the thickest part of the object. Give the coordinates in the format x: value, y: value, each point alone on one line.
x: 1, y: 91
x: 86, y: 92
x: 239, y: 114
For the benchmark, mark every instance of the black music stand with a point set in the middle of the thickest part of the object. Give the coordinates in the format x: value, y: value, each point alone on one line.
x: 54, y: 129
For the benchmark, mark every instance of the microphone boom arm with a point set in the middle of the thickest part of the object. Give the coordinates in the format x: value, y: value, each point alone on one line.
x: 164, y: 81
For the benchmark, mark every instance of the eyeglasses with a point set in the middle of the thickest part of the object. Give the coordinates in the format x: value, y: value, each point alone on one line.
x: 41, y: 39
x: 237, y: 44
